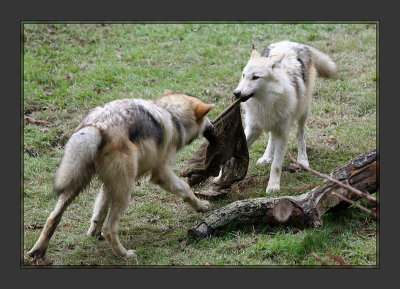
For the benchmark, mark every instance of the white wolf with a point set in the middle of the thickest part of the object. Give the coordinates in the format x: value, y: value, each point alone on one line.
x: 280, y: 82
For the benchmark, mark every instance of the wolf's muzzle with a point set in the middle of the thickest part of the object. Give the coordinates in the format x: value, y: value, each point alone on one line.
x: 208, y: 130
x: 238, y: 94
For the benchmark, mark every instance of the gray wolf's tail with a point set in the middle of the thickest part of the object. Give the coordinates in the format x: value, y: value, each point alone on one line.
x: 325, y: 66
x: 77, y: 165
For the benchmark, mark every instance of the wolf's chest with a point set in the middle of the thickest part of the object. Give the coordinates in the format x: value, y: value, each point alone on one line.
x: 264, y: 114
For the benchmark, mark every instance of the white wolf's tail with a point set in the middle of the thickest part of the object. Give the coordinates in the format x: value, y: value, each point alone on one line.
x: 325, y: 66
x: 77, y: 165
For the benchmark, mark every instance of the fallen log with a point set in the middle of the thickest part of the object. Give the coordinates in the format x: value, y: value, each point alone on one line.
x: 300, y: 211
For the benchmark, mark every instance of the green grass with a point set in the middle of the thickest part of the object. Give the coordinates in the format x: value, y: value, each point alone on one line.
x: 70, y: 68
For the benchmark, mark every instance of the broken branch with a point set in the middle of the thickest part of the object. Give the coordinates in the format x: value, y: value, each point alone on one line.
x: 345, y: 186
x: 319, y: 258
x: 355, y: 204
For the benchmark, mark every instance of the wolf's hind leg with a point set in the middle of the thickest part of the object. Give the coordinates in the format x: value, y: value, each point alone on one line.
x: 301, y: 141
x: 99, y: 214
x: 39, y: 249
x: 120, y: 195
x: 118, y: 173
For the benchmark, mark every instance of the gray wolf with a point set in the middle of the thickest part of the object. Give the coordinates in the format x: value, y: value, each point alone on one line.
x: 280, y: 82
x: 121, y: 141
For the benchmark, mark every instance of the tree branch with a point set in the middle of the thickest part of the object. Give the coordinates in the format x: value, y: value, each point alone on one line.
x: 345, y: 186
x: 355, y: 204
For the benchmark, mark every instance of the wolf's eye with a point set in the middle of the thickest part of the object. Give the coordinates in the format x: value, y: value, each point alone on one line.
x: 243, y: 75
x: 255, y: 77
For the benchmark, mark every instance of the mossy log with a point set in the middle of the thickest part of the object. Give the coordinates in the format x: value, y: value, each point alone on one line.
x: 299, y: 211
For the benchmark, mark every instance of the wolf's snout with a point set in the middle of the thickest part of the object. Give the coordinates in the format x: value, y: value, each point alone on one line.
x: 210, y: 127
x: 237, y: 93
x: 208, y: 131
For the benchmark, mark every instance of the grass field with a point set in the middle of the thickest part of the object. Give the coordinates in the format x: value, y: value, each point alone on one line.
x: 70, y: 68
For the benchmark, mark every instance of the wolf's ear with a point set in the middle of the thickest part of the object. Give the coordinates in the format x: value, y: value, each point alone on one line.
x: 255, y: 54
x: 167, y: 92
x: 277, y: 60
x: 201, y: 109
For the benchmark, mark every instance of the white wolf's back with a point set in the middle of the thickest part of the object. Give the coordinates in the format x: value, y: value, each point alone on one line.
x: 322, y: 62
x: 324, y: 65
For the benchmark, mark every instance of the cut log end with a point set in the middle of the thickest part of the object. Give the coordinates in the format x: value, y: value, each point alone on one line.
x: 283, y: 210
x: 200, y: 231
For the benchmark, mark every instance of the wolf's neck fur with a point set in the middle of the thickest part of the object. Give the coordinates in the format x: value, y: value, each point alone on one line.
x: 271, y: 104
x: 179, y: 130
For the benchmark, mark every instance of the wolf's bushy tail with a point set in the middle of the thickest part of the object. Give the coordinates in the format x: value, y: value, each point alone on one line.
x: 77, y: 165
x: 325, y: 66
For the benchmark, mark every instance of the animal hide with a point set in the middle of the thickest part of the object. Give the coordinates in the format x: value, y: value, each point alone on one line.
x: 224, y: 148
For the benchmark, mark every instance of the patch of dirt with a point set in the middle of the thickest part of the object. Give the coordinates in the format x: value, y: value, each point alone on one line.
x: 58, y: 140
x: 33, y: 152
x: 247, y: 182
x: 36, y: 121
x: 31, y: 108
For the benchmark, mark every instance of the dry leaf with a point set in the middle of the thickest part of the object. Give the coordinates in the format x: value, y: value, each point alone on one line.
x: 337, y: 259
x: 45, y: 261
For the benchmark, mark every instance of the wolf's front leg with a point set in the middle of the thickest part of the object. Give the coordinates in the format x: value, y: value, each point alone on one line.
x: 280, y: 145
x: 252, y: 133
x: 269, y: 152
x: 165, y: 178
x: 99, y: 214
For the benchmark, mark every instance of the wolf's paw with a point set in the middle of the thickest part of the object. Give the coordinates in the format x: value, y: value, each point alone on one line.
x: 303, y: 162
x: 36, y: 253
x: 216, y: 179
x: 204, y: 206
x: 264, y: 160
x: 130, y: 254
x: 92, y: 232
x: 273, y: 187
x: 98, y: 235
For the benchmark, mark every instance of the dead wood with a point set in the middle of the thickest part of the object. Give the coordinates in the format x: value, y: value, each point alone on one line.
x: 299, y: 211
x: 346, y: 186
x: 372, y: 213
